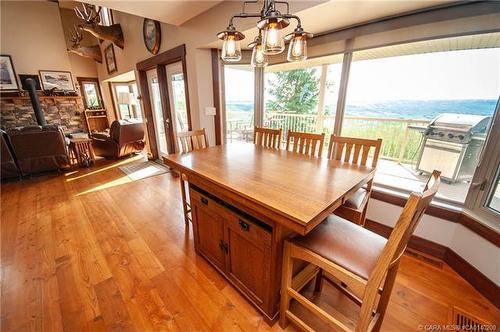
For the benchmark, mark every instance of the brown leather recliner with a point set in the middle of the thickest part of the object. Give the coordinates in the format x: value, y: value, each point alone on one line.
x: 39, y: 149
x: 9, y: 166
x: 125, y: 137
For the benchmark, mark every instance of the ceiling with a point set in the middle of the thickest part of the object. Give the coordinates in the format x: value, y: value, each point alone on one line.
x: 173, y: 12
x: 489, y: 40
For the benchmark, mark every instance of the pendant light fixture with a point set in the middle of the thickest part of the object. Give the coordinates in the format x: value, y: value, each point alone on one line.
x: 271, y: 22
x: 297, y: 49
x: 231, y: 48
x: 259, y: 58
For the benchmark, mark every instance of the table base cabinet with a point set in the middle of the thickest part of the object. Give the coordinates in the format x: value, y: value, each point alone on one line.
x: 239, y: 246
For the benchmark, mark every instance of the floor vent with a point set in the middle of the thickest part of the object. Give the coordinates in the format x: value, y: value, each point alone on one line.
x: 424, y: 258
x: 467, y: 322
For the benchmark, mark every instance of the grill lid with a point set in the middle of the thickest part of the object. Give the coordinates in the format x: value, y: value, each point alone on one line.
x: 462, y: 122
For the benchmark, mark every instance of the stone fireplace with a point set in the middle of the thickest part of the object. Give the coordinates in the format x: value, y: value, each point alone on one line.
x: 64, y: 111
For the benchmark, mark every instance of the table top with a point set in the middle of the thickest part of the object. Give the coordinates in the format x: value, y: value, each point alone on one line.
x: 298, y: 187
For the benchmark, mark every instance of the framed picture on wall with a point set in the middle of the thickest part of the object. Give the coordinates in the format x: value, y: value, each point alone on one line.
x: 8, y: 81
x: 151, y: 32
x: 109, y: 54
x: 60, y: 80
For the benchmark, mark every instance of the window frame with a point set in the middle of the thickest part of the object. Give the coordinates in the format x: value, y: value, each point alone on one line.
x: 485, y: 175
x: 109, y: 13
x: 94, y: 80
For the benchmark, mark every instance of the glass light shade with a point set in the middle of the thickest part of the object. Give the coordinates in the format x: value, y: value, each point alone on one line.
x: 259, y: 59
x: 231, y: 49
x: 297, y: 50
x: 272, y: 40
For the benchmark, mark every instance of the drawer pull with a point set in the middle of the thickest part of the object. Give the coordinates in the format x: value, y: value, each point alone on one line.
x: 221, y: 245
x: 244, y: 226
x: 204, y: 200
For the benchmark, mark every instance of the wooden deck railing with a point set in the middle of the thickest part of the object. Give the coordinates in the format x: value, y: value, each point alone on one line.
x: 401, y: 143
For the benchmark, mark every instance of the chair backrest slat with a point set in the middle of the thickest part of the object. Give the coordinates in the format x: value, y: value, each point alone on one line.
x: 357, y: 150
x: 347, y: 155
x: 364, y: 157
x: 192, y: 140
x: 267, y: 137
x: 305, y: 143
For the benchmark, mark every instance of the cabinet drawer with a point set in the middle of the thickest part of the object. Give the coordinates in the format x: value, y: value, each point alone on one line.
x: 253, y: 230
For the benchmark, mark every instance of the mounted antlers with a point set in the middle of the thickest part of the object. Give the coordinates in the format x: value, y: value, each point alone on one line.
x: 92, y: 18
x: 89, y: 15
x: 93, y: 52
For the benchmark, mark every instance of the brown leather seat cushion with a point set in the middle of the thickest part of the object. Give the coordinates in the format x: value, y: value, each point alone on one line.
x: 346, y: 244
x: 356, y: 200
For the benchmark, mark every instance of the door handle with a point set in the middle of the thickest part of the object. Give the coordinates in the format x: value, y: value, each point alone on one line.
x: 204, y: 201
x: 223, y: 246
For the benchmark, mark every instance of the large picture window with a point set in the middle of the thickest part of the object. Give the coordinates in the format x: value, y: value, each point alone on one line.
x: 431, y: 102
x: 432, y: 110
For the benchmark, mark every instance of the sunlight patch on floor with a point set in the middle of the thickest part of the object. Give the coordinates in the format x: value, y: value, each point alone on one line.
x: 110, y: 184
x: 114, y: 165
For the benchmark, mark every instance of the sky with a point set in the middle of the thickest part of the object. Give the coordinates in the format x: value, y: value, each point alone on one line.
x: 469, y: 74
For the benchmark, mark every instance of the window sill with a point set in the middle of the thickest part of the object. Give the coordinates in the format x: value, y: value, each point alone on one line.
x: 444, y: 210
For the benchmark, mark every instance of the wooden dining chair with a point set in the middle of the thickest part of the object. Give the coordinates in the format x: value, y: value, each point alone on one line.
x: 305, y: 143
x: 267, y: 137
x: 355, y: 151
x: 190, y: 141
x: 363, y: 265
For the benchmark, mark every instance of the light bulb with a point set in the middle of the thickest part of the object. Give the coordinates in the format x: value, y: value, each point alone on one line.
x: 272, y: 41
x: 231, y: 49
x: 297, y: 50
x: 259, y: 59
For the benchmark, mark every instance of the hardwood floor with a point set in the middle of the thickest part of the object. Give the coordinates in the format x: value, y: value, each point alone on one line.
x: 93, y: 251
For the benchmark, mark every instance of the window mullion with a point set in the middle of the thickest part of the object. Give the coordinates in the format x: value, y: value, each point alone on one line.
x: 321, y: 99
x: 344, y: 80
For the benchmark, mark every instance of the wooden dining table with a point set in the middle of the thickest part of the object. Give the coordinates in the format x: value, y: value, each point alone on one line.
x: 247, y: 199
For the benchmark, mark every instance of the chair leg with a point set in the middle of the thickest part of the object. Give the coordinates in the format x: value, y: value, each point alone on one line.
x: 318, y: 284
x: 184, y: 203
x: 386, y: 294
x: 286, y: 283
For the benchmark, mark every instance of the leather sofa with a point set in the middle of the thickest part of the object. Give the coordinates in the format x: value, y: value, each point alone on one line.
x: 39, y: 148
x: 125, y: 137
x: 9, y: 167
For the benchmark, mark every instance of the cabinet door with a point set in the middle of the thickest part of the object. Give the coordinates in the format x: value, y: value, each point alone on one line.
x: 209, y: 234
x: 248, y: 260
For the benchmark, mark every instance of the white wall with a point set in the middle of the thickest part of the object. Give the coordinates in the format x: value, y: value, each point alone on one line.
x: 32, y: 33
x: 480, y: 253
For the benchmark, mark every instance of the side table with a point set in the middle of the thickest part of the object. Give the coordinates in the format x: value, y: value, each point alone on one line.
x: 81, y: 151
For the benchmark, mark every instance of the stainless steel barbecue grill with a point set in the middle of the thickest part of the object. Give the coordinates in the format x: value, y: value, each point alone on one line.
x: 452, y: 144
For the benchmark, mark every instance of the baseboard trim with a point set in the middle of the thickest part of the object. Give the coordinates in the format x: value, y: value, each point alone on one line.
x: 478, y: 280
